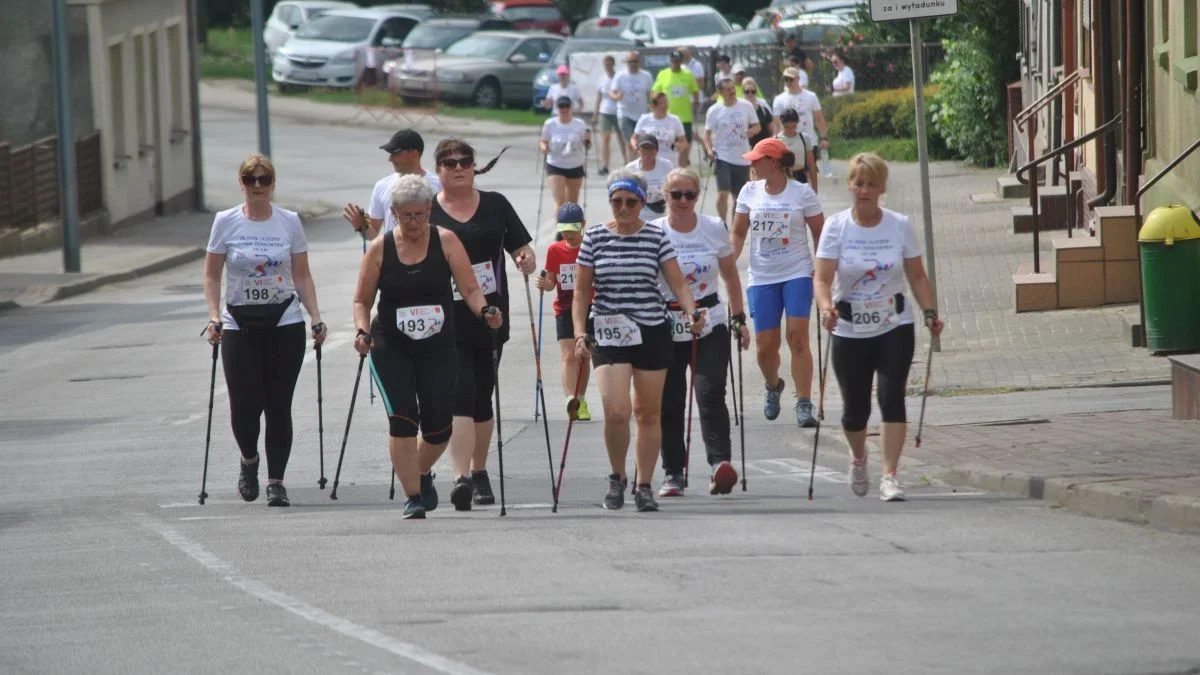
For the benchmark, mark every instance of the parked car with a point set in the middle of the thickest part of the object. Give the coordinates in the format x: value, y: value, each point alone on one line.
x: 326, y: 50
x: 485, y: 69
x: 684, y: 25
x: 532, y: 15
x: 816, y: 28
x: 790, y: 9
x: 546, y: 76
x: 442, y: 31
x: 607, y: 18
x: 288, y: 16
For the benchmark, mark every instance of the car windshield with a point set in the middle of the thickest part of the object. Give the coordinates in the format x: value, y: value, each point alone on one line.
x: 691, y: 25
x: 531, y: 13
x: 568, y: 48
x: 627, y: 7
x: 434, y: 36
x: 337, y: 28
x: 492, y: 47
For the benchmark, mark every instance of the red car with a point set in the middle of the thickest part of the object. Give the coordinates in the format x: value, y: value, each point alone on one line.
x: 532, y: 15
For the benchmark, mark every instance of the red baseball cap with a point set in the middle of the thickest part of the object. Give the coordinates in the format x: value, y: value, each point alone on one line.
x: 768, y: 147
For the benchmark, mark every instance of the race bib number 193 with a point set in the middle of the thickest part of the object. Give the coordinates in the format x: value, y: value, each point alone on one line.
x: 420, y: 322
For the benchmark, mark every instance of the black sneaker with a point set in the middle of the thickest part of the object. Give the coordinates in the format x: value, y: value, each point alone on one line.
x: 482, y: 487
x: 248, y: 481
x: 615, y: 498
x: 429, y: 493
x: 277, y: 495
x: 672, y: 486
x: 460, y: 494
x: 603, y: 171
x: 414, y: 507
x: 644, y: 498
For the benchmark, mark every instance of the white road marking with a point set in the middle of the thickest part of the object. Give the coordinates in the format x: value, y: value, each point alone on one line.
x: 315, y: 615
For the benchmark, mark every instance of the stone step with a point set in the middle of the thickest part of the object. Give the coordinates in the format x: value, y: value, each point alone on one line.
x: 1023, y: 220
x: 1008, y: 187
x: 1035, y: 292
x: 1185, y: 387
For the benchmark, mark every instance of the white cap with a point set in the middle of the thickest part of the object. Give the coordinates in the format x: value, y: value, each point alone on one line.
x: 737, y: 68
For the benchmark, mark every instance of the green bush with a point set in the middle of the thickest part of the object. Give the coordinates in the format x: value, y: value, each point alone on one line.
x: 968, y: 110
x: 890, y: 112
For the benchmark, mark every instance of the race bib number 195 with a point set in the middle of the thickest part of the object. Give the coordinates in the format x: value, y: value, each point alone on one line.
x: 617, y: 331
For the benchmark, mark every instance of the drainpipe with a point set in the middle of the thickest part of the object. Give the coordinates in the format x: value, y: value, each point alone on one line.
x: 1135, y: 43
x: 1108, y: 71
x: 1053, y: 26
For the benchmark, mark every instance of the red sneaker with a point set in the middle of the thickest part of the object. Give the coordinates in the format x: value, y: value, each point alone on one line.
x: 724, y: 477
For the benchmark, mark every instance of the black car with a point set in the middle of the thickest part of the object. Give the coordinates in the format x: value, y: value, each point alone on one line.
x: 442, y: 31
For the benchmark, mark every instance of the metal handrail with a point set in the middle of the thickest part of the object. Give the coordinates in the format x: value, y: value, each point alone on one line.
x: 1033, y: 196
x: 1046, y: 98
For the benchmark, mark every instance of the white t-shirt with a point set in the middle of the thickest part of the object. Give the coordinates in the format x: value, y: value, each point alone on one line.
x: 699, y: 252
x: 258, y: 260
x: 697, y: 69
x: 666, y: 130
x: 567, y: 149
x: 803, y: 77
x: 635, y: 93
x: 603, y: 87
x: 845, y: 76
x: 870, y: 270
x: 730, y: 125
x: 805, y: 104
x: 570, y: 91
x: 381, y: 198
x: 655, y: 179
x: 778, y: 234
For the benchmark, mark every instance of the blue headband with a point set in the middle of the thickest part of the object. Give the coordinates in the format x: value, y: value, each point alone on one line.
x: 627, y: 185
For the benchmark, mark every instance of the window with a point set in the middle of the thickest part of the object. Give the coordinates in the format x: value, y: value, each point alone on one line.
x: 337, y: 29
x: 141, y: 72
x: 1162, y: 45
x: 290, y: 15
x: 692, y: 25
x: 1189, y: 30
x: 176, y: 78
x: 116, y: 89
x: 536, y: 50
x: 532, y: 13
x: 1189, y: 66
x: 394, y: 29
x: 638, y: 26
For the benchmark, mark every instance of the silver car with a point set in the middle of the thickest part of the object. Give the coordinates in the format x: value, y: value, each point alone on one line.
x: 333, y: 49
x: 486, y: 69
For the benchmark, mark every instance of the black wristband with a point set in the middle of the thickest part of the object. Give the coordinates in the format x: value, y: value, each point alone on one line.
x: 362, y: 333
x: 931, y: 314
x: 740, y: 318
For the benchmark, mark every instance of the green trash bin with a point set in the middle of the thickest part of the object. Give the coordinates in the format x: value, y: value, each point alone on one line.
x: 1169, y: 245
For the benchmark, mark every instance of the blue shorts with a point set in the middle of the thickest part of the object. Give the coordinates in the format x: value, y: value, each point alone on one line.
x: 770, y: 301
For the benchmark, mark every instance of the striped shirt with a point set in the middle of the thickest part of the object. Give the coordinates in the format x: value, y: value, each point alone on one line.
x: 626, y: 269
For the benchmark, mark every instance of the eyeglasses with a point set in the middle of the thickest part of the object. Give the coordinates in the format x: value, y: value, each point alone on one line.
x: 688, y: 195
x: 749, y: 91
x: 460, y: 163
x: 263, y: 181
x: 626, y: 203
x: 417, y: 217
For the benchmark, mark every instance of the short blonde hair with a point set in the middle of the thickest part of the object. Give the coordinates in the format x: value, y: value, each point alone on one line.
x: 870, y: 167
x: 682, y: 173
x: 256, y: 161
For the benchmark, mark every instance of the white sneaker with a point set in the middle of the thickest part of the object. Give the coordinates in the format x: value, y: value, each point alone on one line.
x: 859, y: 483
x: 889, y: 490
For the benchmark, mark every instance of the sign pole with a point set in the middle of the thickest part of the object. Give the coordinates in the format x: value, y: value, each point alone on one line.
x: 918, y: 60
x: 257, y: 21
x: 68, y: 204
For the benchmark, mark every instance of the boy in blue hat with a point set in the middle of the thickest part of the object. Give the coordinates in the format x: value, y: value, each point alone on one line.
x: 559, y: 275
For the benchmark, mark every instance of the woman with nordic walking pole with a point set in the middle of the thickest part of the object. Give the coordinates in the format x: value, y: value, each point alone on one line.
x: 621, y: 261
x: 564, y: 141
x: 864, y: 258
x: 413, y: 357
x: 705, y: 253
x: 777, y: 214
x: 488, y: 226
x: 264, y: 253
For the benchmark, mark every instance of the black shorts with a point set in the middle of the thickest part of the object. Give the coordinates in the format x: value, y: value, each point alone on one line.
x: 564, y: 326
x: 476, y: 382
x: 416, y: 385
x: 731, y: 178
x: 655, y: 353
x: 572, y: 174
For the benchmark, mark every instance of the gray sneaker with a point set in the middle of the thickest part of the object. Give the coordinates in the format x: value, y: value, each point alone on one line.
x: 804, y: 414
x: 644, y: 498
x: 615, y: 498
x: 771, y: 404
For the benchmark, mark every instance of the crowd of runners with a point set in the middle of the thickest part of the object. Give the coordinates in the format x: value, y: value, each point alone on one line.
x: 648, y: 304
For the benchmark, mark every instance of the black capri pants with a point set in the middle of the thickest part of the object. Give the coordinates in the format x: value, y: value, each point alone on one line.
x: 712, y: 363
x: 261, y: 368
x: 856, y: 361
x: 416, y: 383
x: 476, y: 381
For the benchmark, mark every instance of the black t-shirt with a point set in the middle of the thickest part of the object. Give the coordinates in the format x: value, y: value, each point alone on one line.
x: 764, y: 120
x: 494, y: 229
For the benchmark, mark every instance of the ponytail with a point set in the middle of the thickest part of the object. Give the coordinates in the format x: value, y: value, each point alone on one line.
x: 451, y: 146
x: 788, y: 163
x: 489, y: 165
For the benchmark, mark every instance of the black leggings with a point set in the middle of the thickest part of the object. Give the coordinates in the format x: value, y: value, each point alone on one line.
x: 261, y: 368
x: 855, y: 363
x: 712, y: 362
x: 417, y: 385
x: 476, y: 381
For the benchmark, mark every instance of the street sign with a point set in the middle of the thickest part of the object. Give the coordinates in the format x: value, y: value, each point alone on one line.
x: 903, y: 10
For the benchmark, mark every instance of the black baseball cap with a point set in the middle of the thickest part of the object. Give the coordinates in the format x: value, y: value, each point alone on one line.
x: 563, y: 102
x: 677, y: 55
x: 405, y: 139
x: 648, y: 141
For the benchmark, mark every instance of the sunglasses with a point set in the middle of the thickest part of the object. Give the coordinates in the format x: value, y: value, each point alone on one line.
x: 749, y: 91
x: 688, y: 195
x: 626, y: 203
x: 263, y: 181
x: 460, y: 163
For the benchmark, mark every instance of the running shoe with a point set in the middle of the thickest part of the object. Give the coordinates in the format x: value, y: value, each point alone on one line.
x: 889, y: 490
x: 414, y: 508
x: 724, y: 477
x: 460, y: 494
x: 859, y: 482
x: 771, y: 405
x: 604, y: 171
x: 481, y: 486
x: 583, y: 415
x: 643, y: 498
x: 672, y: 486
x: 248, y: 481
x: 804, y: 414
x: 277, y: 495
x: 615, y: 498
x: 429, y: 493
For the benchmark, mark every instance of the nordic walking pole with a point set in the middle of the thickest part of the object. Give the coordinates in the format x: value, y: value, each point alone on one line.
x: 370, y: 382
x: 572, y: 409
x: 812, y: 474
x: 925, y: 393
x: 687, y: 461
x: 212, y: 388
x: 820, y: 377
x: 735, y: 389
x: 499, y: 426
x: 541, y: 394
x: 537, y: 345
x: 349, y: 416
x: 320, y: 418
x: 742, y: 390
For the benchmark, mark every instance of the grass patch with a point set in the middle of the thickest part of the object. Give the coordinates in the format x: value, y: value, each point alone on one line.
x: 229, y: 54
x: 890, y: 149
x: 383, y: 98
x: 506, y: 115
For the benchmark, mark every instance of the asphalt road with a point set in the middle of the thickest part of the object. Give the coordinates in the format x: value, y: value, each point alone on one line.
x: 108, y: 564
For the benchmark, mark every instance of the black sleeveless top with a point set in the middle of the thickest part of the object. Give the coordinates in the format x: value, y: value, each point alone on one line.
x: 414, y: 298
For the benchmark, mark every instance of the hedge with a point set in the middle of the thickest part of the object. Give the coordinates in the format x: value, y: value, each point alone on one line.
x: 889, y: 113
